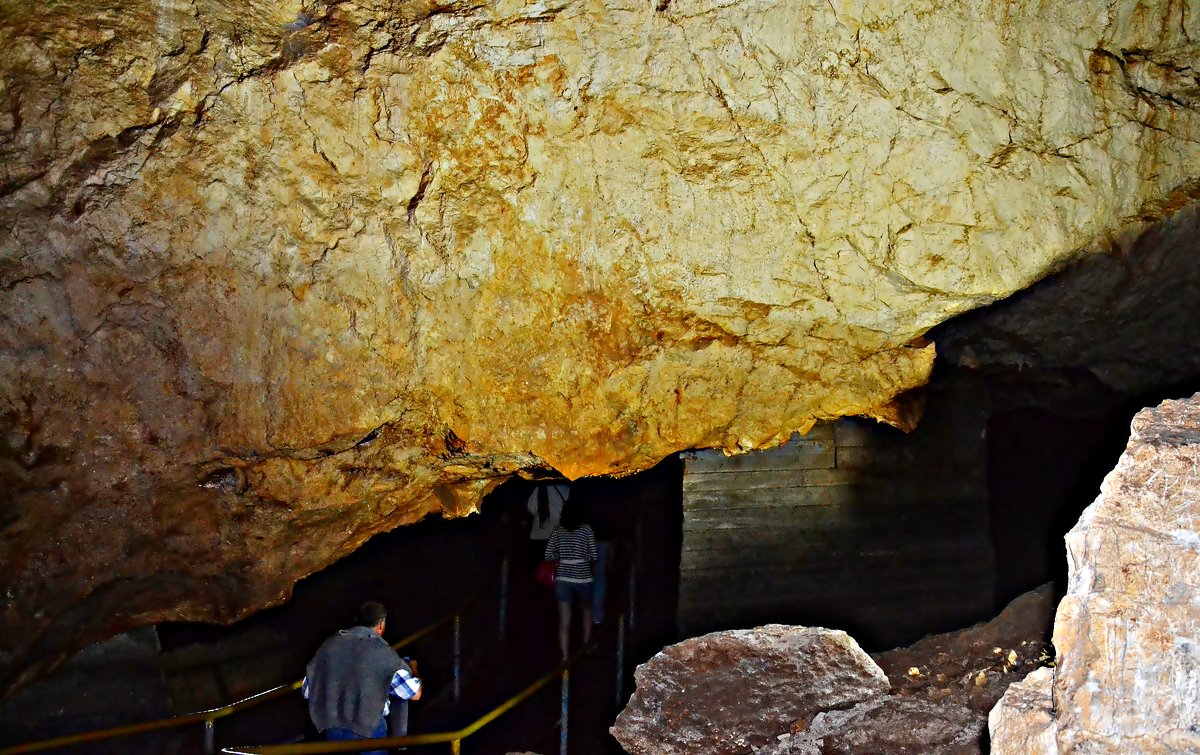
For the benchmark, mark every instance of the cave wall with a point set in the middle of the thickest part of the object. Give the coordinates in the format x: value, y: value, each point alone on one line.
x: 1120, y: 323
x: 854, y: 526
x: 112, y: 683
x: 279, y: 276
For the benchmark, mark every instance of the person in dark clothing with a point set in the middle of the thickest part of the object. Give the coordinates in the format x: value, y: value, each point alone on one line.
x: 605, y: 516
x: 349, y: 682
x: 573, y: 546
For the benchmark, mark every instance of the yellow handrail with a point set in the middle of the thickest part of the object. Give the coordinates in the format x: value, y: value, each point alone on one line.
x: 207, y: 717
x: 203, y: 716
x: 453, y: 737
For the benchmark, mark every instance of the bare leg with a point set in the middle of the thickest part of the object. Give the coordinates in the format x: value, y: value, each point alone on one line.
x: 587, y: 624
x: 564, y: 628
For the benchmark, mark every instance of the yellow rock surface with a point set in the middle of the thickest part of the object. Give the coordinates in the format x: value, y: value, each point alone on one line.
x: 277, y: 276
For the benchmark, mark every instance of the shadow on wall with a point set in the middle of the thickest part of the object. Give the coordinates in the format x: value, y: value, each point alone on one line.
x: 856, y: 526
x: 1043, y: 470
x: 1046, y: 463
x: 892, y: 536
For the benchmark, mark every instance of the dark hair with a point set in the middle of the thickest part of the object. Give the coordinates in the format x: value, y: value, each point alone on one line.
x: 371, y: 613
x: 572, y: 514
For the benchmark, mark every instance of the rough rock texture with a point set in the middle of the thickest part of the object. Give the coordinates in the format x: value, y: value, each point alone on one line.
x: 731, y: 691
x: 1023, y: 720
x: 893, y: 725
x: 1140, y: 295
x: 726, y: 692
x: 973, y: 667
x: 1128, y: 629
x: 111, y: 683
x: 277, y: 276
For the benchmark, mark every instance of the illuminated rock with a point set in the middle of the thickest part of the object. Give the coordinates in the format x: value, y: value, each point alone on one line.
x: 1023, y: 720
x: 273, y: 281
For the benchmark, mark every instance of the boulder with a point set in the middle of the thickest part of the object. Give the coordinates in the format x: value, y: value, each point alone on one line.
x: 1127, y: 631
x: 887, y: 724
x: 1023, y: 720
x: 727, y: 692
x: 1128, y: 628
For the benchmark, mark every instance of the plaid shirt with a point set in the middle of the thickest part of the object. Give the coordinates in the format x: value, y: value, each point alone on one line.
x: 404, y: 686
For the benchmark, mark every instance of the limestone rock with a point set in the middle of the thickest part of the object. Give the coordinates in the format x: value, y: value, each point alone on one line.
x: 1023, y: 720
x: 887, y: 724
x: 726, y: 692
x: 275, y: 277
x: 1128, y: 629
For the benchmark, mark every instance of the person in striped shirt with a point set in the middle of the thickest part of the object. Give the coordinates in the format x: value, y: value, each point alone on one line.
x: 573, y: 546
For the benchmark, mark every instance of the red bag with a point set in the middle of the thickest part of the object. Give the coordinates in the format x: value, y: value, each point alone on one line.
x: 545, y: 573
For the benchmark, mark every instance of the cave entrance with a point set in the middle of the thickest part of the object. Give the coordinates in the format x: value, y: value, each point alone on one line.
x: 428, y: 570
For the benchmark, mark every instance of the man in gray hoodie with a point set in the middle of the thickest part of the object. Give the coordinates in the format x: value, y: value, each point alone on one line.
x: 350, y: 680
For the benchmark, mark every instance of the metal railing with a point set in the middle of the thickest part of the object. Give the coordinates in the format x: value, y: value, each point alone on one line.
x: 455, y: 738
x: 209, y: 717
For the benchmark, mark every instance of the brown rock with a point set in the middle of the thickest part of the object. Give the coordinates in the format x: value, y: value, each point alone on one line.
x: 729, y: 691
x: 888, y: 724
x: 964, y: 667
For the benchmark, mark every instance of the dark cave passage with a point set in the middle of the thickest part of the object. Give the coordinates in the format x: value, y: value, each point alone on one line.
x: 426, y: 571
x: 890, y: 535
x: 1043, y: 469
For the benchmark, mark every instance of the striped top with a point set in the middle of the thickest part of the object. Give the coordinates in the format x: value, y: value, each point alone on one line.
x: 574, y: 550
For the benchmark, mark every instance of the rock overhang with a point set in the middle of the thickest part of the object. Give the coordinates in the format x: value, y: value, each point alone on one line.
x: 278, y: 277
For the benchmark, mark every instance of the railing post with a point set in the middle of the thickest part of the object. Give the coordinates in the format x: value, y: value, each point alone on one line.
x: 457, y: 656
x: 455, y: 746
x: 635, y: 563
x: 563, y: 728
x: 503, y: 597
x: 620, y: 684
x: 210, y: 736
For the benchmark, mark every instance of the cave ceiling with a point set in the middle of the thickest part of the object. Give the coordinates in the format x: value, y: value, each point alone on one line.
x: 276, y: 276
x: 1119, y: 325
